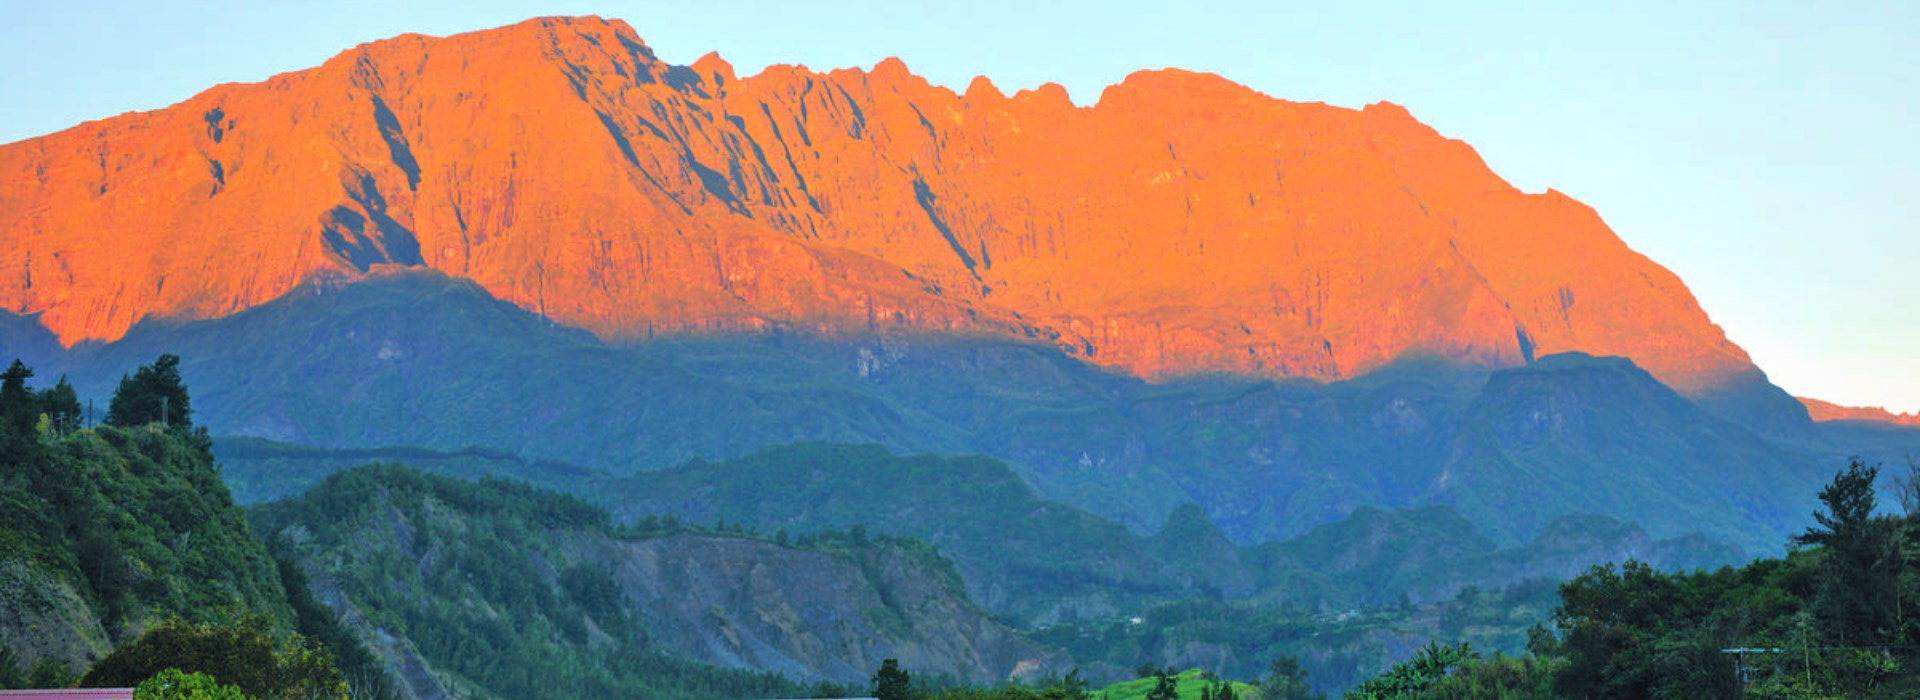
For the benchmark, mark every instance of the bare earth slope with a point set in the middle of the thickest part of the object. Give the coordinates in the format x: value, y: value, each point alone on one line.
x: 1182, y: 225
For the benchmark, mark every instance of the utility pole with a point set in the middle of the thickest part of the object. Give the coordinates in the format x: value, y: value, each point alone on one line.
x: 1740, y: 669
x: 163, y: 411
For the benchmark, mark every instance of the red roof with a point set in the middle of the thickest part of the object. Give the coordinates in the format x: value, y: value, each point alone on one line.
x: 69, y: 694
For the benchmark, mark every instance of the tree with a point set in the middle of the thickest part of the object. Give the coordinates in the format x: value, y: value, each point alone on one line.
x: 153, y: 393
x: 61, y: 404
x: 1073, y: 687
x: 18, y: 406
x: 1849, y: 503
x: 243, y: 654
x: 1164, y: 686
x: 11, y: 675
x: 1858, y: 601
x: 892, y: 682
x: 174, y: 684
x: 50, y: 673
x: 1611, y: 618
x: 1906, y: 488
x: 1285, y: 680
x: 1416, y: 676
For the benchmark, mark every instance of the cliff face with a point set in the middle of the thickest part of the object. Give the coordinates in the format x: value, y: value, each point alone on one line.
x: 1184, y: 224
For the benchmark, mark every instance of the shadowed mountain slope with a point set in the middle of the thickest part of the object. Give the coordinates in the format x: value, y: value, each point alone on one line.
x: 434, y: 362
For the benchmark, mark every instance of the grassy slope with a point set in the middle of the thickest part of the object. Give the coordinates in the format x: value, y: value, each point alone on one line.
x: 1188, y: 683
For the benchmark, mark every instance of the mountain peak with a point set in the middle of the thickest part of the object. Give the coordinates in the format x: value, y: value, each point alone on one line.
x: 891, y: 68
x: 982, y: 88
x: 1183, y: 225
x: 715, y: 68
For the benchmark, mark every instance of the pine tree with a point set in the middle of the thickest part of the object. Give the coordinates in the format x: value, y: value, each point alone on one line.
x: 892, y: 682
x: 18, y: 406
x: 153, y: 393
x: 1858, y: 601
x: 61, y: 404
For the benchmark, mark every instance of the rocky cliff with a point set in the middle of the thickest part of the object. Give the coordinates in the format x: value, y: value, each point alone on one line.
x: 1182, y: 224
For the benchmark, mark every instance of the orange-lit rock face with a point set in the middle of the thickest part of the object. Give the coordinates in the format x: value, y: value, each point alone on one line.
x: 1183, y: 224
x: 1824, y: 411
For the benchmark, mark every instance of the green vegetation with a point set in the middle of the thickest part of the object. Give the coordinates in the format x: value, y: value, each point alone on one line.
x: 123, y: 534
x: 173, y: 684
x: 134, y: 519
x: 1288, y: 646
x: 1829, y: 620
x: 245, y: 655
x: 1022, y: 556
x: 485, y: 579
x: 1165, y: 684
x: 258, y: 471
x: 152, y: 394
x: 892, y: 682
x: 1040, y: 562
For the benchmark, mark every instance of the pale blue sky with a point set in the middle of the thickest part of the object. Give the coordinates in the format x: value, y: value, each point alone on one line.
x: 1768, y: 152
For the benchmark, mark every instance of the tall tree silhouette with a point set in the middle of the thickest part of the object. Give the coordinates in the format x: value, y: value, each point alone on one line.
x: 152, y: 393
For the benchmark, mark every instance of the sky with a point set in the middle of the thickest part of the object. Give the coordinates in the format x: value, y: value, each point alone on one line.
x: 1767, y: 152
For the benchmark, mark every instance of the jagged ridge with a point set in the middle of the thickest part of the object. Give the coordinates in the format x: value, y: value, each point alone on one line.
x: 1183, y: 224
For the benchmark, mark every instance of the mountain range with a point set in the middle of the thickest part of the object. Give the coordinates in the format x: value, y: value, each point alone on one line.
x: 1185, y: 342
x: 1181, y: 225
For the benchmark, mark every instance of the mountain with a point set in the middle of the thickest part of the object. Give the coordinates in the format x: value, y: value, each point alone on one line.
x: 1372, y: 558
x: 434, y: 362
x: 1034, y: 562
x: 1603, y: 433
x: 523, y: 594
x: 1181, y: 225
x: 1027, y: 559
x: 727, y: 594
x: 1824, y: 411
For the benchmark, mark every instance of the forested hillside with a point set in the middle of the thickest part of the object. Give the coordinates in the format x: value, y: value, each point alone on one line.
x: 111, y: 528
x: 522, y: 593
x: 1832, y: 619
